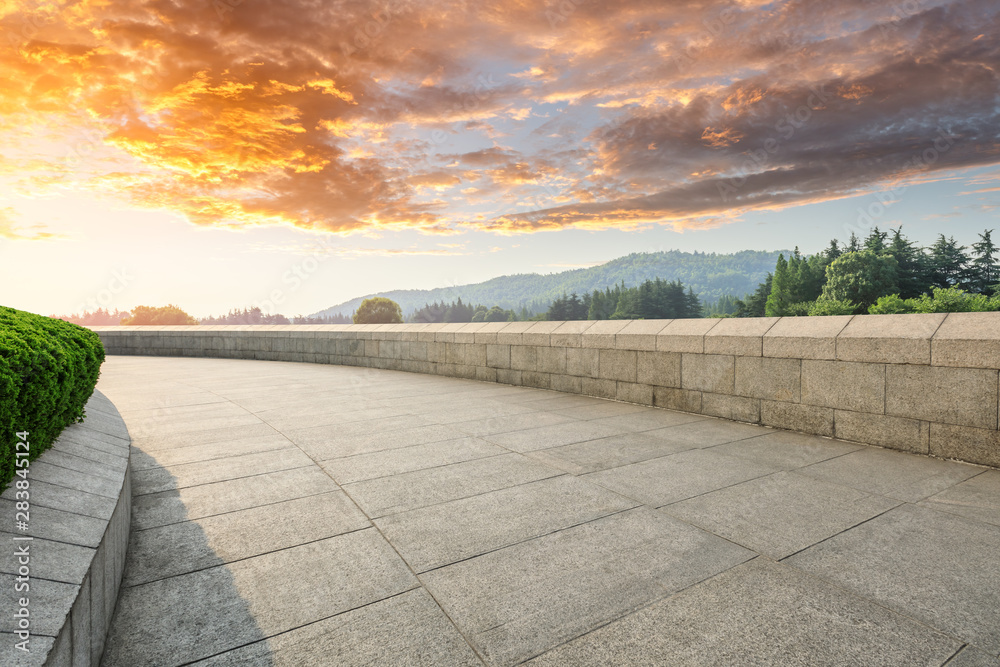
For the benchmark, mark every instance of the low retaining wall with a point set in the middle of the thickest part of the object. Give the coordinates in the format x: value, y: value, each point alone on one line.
x: 80, y: 503
x: 920, y: 383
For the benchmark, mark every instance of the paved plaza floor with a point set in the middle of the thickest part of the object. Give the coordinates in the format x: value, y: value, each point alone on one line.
x: 301, y: 514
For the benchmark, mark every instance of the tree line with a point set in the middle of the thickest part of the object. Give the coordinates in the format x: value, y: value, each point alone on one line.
x: 653, y: 299
x: 884, y: 273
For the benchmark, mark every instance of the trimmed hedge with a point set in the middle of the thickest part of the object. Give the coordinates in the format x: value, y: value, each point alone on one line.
x: 48, y: 370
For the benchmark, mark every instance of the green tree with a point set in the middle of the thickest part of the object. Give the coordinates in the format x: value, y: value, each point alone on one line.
x: 158, y: 315
x: 861, y: 278
x: 378, y: 310
x: 948, y: 263
x: 853, y: 244
x: 755, y: 303
x: 875, y: 241
x: 832, y: 251
x: 984, y: 271
x: 498, y: 314
x: 780, y: 297
x: 911, y: 265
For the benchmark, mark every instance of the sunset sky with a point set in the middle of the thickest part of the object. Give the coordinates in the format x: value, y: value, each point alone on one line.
x: 295, y: 154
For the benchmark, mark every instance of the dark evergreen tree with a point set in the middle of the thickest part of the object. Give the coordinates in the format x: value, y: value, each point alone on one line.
x: 832, y: 251
x: 754, y: 304
x: 853, y: 244
x: 949, y: 263
x: 984, y: 272
x: 876, y: 241
x: 911, y: 265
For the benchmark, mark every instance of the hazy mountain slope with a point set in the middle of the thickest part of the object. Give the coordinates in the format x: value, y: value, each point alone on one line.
x: 711, y: 275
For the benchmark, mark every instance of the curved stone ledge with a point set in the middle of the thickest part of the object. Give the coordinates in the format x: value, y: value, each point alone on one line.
x: 80, y: 505
x: 921, y: 383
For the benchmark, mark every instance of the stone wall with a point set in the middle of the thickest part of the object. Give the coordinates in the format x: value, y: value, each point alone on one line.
x: 920, y: 383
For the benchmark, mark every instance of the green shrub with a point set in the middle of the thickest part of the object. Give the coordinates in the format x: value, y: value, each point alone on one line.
x: 941, y: 300
x: 891, y: 305
x: 48, y: 370
x: 952, y: 300
x: 825, y: 306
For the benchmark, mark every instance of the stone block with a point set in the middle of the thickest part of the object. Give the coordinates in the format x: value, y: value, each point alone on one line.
x: 743, y: 336
x: 445, y: 335
x: 599, y: 388
x: 969, y: 340
x: 583, y: 362
x: 844, y: 385
x: 539, y: 333
x: 535, y: 379
x: 507, y: 376
x: 551, y: 359
x: 511, y: 334
x: 804, y: 418
x: 569, y: 384
x: 523, y: 357
x: 685, y: 335
x: 475, y: 354
x: 892, y: 339
x: 677, y: 399
x: 631, y: 392
x: 427, y: 333
x: 737, y: 408
x: 805, y: 337
x: 568, y: 334
x: 618, y: 365
x: 974, y: 445
x: 962, y: 396
x: 487, y: 334
x: 498, y: 356
x: 467, y: 334
x: 770, y: 378
x: 908, y: 435
x: 418, y: 351
x: 640, y: 334
x: 455, y: 353
x: 601, y: 334
x: 447, y: 370
x: 708, y: 372
x: 659, y: 368
x: 437, y: 353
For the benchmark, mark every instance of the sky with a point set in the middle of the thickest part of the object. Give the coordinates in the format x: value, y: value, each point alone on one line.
x: 294, y: 154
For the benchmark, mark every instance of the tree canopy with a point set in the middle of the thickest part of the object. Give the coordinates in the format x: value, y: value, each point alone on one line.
x: 378, y: 310
x: 883, y: 273
x: 158, y: 315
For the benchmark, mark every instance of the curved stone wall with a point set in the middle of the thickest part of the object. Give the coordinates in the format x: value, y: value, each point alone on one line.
x: 73, y: 546
x: 920, y: 383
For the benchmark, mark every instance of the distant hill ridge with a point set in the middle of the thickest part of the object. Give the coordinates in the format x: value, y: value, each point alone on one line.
x: 710, y: 275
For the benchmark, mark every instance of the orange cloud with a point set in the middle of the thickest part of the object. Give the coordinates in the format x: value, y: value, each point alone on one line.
x: 355, y: 119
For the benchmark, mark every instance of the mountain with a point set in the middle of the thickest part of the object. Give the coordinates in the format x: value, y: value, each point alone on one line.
x: 710, y: 275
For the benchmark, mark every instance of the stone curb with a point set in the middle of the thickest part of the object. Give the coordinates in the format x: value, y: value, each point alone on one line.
x: 78, y: 546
